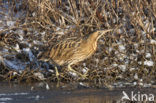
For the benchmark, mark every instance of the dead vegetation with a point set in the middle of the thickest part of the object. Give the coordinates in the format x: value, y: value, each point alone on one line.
x: 128, y: 54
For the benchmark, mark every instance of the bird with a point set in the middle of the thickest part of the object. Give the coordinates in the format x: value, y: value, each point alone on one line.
x: 69, y: 52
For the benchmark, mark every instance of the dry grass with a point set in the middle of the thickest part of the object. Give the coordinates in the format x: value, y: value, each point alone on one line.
x: 126, y: 47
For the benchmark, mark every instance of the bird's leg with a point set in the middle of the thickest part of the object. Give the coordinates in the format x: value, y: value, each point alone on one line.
x: 57, y: 73
x: 56, y: 68
x: 82, y: 75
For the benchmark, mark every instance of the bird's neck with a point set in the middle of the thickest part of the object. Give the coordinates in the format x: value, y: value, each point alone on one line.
x: 92, y: 42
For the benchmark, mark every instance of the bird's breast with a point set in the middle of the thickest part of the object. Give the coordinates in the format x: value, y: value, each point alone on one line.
x: 89, y: 49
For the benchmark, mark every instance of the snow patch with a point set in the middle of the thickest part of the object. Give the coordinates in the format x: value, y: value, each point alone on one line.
x: 47, y: 86
x: 136, y: 76
x: 39, y: 75
x: 153, y: 41
x: 17, y: 48
x: 148, y: 63
x: 122, y: 67
x: 121, y: 48
x: 10, y: 23
x: 148, y: 55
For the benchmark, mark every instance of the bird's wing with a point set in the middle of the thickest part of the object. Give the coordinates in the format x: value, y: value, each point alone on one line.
x: 64, y: 49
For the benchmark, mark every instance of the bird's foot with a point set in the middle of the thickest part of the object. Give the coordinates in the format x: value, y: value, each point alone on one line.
x: 57, y: 74
x: 84, y: 76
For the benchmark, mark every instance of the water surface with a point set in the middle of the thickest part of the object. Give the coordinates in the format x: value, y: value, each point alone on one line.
x: 39, y: 93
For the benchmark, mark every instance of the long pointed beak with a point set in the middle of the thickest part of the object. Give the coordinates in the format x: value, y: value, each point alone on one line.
x: 104, y: 32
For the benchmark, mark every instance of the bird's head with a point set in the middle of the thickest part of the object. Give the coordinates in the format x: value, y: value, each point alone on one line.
x: 96, y: 35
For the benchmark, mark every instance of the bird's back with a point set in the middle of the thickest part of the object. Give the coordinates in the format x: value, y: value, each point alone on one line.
x: 61, y: 52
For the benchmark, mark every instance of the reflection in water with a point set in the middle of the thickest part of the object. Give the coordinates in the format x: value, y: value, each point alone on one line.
x: 91, y: 99
x: 92, y: 96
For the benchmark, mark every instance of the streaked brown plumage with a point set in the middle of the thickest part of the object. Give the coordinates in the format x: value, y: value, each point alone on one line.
x: 69, y: 52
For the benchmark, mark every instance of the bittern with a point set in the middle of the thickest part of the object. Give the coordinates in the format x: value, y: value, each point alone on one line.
x: 69, y: 52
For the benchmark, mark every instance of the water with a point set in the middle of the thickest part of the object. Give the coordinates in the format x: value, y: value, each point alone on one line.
x: 38, y: 93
